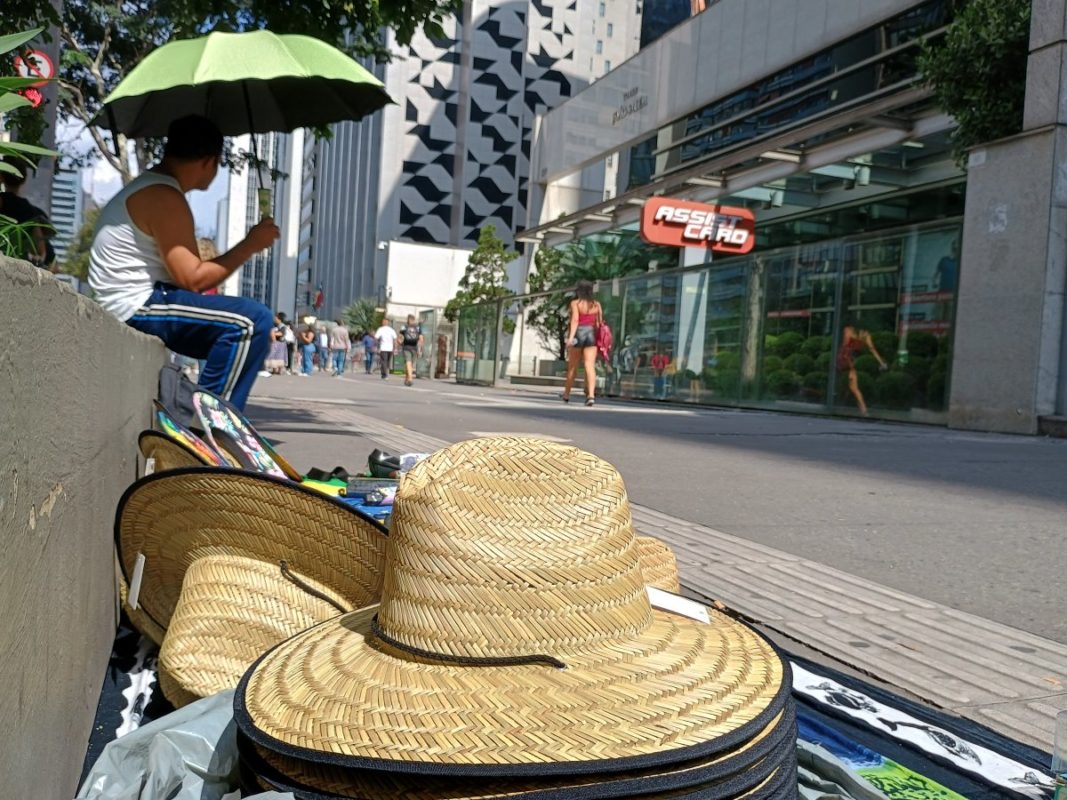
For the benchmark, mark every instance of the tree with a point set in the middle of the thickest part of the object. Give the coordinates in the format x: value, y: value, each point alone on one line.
x: 103, y: 41
x: 978, y: 70
x: 549, y: 315
x: 485, y: 278
x: 77, y: 262
x: 363, y: 315
x: 17, y: 239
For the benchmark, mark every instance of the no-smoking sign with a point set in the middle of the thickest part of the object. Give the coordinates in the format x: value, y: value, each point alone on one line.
x: 35, y: 64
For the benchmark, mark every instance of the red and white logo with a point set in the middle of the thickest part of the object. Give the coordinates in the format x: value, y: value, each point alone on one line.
x: 681, y: 223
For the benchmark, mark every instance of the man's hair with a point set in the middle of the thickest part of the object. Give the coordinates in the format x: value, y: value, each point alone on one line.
x: 192, y: 138
x: 411, y: 317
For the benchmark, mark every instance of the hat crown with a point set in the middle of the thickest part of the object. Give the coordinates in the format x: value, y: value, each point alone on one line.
x: 508, y: 547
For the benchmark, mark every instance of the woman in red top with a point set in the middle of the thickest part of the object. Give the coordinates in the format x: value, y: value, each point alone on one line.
x: 586, y: 317
x: 853, y: 342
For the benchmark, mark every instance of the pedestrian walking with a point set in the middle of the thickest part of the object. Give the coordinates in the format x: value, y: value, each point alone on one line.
x: 290, y: 343
x: 586, y: 317
x: 370, y: 347
x: 307, y: 350
x: 323, y: 349
x: 411, y: 338
x: 276, y: 358
x: 339, y: 344
x: 386, y: 338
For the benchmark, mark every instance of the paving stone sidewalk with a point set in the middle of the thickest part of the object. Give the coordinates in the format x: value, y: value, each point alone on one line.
x: 1010, y: 680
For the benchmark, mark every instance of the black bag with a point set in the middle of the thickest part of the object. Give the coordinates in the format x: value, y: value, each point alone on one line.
x: 176, y: 395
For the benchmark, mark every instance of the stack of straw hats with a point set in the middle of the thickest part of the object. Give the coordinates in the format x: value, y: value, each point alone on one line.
x: 516, y: 652
x: 235, y: 563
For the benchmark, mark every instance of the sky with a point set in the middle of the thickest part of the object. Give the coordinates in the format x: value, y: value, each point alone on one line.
x: 102, y: 181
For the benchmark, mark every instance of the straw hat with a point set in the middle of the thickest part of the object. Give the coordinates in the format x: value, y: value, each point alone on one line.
x: 658, y: 564
x: 515, y: 638
x: 721, y: 775
x: 166, y: 452
x: 781, y: 784
x: 230, y: 611
x: 178, y: 517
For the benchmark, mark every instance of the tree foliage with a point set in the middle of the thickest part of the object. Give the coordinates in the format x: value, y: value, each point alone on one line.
x: 549, y: 315
x: 485, y: 278
x: 102, y: 41
x: 978, y: 70
x: 363, y: 315
x: 18, y: 239
x: 77, y: 261
x: 596, y: 258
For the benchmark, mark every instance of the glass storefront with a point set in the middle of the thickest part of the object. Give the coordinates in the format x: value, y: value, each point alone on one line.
x: 853, y: 324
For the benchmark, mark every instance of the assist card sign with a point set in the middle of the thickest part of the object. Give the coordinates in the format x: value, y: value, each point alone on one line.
x: 681, y: 223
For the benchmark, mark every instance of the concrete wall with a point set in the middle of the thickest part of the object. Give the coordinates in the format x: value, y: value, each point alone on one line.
x: 1009, y: 343
x: 75, y: 386
x: 1010, y: 305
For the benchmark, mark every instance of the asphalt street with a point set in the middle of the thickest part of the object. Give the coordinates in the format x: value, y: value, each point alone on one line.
x: 973, y: 521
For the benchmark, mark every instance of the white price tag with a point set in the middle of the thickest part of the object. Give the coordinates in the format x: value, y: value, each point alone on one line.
x: 149, y: 466
x: 135, y: 581
x: 665, y: 601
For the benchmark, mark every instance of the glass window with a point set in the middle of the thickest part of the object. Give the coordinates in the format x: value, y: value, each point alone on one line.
x: 602, y: 9
x: 599, y: 46
x: 800, y: 292
x: 894, y: 345
x: 607, y: 66
x: 611, y: 30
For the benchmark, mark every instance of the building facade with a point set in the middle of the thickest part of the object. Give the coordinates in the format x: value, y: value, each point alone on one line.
x: 259, y: 278
x: 877, y: 284
x: 453, y: 154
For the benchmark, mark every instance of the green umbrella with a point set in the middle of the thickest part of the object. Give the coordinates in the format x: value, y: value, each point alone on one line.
x: 251, y: 82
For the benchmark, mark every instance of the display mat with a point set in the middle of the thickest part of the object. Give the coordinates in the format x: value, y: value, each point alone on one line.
x: 904, y: 749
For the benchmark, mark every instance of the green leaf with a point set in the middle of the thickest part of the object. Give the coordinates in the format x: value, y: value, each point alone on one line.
x: 10, y: 169
x: 16, y: 84
x: 13, y: 40
x: 9, y: 102
x: 32, y: 149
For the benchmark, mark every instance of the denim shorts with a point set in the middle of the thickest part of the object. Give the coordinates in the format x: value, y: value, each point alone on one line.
x: 585, y: 336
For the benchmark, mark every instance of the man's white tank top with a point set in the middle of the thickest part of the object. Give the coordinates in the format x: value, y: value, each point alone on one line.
x: 125, y: 262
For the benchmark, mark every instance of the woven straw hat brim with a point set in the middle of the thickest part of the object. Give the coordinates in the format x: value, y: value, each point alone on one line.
x: 168, y: 453
x: 778, y: 782
x: 231, y: 611
x: 734, y: 770
x: 175, y: 517
x: 680, y: 690
x: 138, y: 618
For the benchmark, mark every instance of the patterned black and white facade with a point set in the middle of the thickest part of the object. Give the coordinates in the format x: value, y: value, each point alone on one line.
x: 453, y: 154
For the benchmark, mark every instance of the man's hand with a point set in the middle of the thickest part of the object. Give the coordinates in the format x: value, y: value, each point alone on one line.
x: 263, y: 234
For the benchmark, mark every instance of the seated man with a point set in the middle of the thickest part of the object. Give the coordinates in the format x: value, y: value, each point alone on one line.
x: 145, y: 267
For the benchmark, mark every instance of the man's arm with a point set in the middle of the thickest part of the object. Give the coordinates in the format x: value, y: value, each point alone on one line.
x: 163, y: 213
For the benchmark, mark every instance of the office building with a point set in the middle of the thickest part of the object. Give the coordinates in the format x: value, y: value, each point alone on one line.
x: 452, y: 154
x: 815, y: 119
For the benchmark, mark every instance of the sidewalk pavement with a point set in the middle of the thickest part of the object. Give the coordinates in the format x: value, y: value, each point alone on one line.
x: 1010, y: 680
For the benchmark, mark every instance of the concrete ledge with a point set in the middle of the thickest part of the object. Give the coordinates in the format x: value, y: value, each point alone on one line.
x: 75, y: 386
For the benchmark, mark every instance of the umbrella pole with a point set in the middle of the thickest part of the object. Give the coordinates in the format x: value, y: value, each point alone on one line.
x: 252, y: 128
x: 264, y: 201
